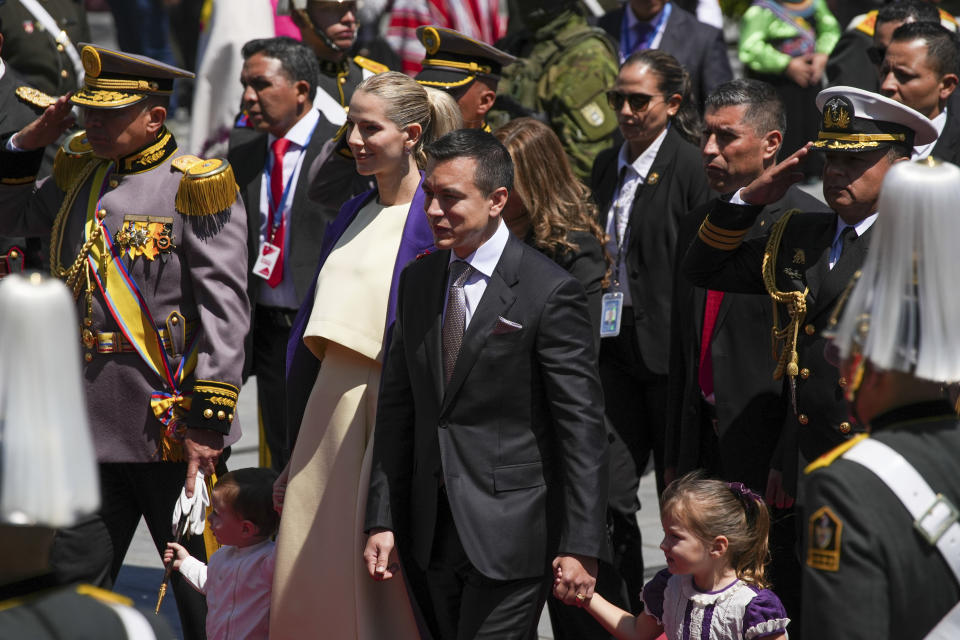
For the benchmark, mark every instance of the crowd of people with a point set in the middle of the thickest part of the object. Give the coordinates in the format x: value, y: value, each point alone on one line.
x: 489, y: 265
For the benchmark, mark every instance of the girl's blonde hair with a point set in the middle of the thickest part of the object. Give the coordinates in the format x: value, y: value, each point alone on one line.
x: 410, y: 103
x: 711, y: 508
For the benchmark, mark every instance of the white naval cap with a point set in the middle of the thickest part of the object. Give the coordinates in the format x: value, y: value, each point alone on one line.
x: 856, y: 120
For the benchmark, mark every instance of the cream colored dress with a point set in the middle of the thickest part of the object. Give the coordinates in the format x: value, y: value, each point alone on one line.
x: 321, y: 588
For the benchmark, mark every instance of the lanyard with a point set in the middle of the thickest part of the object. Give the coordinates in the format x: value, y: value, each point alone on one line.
x: 627, y: 46
x: 279, y: 207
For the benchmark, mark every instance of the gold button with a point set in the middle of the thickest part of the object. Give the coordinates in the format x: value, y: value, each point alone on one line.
x: 60, y: 48
x: 88, y: 357
x: 804, y: 373
x: 13, y: 254
x: 113, y: 183
x: 64, y: 74
x: 87, y: 322
x: 174, y: 320
x: 102, y: 214
x: 803, y: 419
x: 343, y: 79
x: 842, y: 381
x: 221, y: 415
x: 844, y: 427
x: 810, y: 329
x: 208, y: 413
x: 230, y: 417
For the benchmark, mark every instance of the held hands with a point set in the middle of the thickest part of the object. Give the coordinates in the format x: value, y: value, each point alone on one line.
x: 203, y: 447
x: 776, y: 495
x: 380, y: 555
x: 772, y: 184
x: 176, y: 553
x: 49, y: 126
x: 574, y: 578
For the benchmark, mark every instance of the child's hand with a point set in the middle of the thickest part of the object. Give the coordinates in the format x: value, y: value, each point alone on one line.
x: 176, y: 553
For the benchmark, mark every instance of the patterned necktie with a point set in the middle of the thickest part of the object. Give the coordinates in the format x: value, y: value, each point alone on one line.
x: 279, y: 148
x: 456, y: 315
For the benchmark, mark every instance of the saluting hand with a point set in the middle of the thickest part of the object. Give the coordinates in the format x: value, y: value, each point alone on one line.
x: 772, y: 184
x: 49, y: 126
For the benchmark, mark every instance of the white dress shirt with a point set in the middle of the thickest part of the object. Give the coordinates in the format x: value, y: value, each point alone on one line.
x: 284, y: 295
x: 921, y: 151
x: 484, y: 260
x: 619, y: 213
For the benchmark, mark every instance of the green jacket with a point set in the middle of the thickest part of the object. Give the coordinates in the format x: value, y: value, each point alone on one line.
x: 760, y: 29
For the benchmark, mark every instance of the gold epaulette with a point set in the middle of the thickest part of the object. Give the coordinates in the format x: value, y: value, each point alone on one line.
x: 828, y: 458
x: 35, y: 97
x: 370, y: 65
x: 207, y: 186
x: 74, y: 154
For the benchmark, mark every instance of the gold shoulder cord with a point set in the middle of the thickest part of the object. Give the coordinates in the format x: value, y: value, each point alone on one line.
x: 795, y: 301
x: 56, y: 236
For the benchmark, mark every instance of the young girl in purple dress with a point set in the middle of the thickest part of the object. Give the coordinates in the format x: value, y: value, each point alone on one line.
x: 715, y: 543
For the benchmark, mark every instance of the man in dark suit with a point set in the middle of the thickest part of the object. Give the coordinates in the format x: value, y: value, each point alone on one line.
x: 921, y: 69
x: 489, y: 458
x: 812, y: 258
x: 656, y: 24
x: 284, y: 229
x: 725, y: 408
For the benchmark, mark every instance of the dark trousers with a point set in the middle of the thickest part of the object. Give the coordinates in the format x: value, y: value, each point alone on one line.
x: 271, y: 330
x: 93, y: 550
x: 463, y: 604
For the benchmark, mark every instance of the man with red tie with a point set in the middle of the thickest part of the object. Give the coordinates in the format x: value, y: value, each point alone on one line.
x: 284, y: 233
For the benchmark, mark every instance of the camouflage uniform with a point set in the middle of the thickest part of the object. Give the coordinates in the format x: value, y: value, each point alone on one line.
x: 565, y: 69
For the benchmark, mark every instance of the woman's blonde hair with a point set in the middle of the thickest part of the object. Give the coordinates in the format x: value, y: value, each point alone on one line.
x: 711, y: 508
x: 554, y: 199
x: 410, y: 103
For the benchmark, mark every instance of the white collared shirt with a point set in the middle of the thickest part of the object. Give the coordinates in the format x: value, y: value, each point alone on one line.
x: 484, y: 260
x: 284, y: 294
x: 3, y: 68
x: 921, y: 151
x: 635, y: 175
x: 860, y: 228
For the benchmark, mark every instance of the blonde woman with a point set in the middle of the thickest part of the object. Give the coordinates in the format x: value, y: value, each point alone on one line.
x: 334, y: 358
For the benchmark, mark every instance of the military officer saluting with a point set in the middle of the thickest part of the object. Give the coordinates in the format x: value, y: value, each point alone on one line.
x: 329, y: 27
x: 806, y: 260
x: 153, y: 245
x: 465, y: 68
x: 883, y: 541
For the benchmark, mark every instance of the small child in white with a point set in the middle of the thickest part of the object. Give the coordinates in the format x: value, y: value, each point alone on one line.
x: 238, y: 579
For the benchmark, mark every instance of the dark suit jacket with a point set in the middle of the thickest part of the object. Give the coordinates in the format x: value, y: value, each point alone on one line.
x: 750, y: 406
x: 680, y: 186
x: 697, y: 46
x: 516, y: 436
x: 822, y: 419
x: 947, y: 147
x: 849, y: 65
x: 248, y: 156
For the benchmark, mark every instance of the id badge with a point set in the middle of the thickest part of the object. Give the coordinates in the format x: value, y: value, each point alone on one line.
x: 610, y: 315
x: 266, y: 261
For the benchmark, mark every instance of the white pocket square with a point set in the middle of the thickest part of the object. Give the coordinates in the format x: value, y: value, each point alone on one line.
x: 506, y: 326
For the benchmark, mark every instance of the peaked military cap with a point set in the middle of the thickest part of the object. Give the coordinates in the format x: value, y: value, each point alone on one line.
x: 454, y: 60
x: 854, y: 120
x: 116, y: 79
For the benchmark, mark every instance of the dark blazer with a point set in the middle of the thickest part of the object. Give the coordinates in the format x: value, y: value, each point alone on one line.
x: 302, y: 365
x: 680, y: 185
x: 248, y: 156
x: 697, y: 46
x: 947, y: 147
x: 821, y: 421
x: 516, y: 436
x: 750, y: 406
x: 849, y: 65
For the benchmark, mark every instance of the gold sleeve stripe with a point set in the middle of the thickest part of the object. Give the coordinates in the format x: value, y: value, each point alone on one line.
x: 720, y: 231
x: 722, y: 243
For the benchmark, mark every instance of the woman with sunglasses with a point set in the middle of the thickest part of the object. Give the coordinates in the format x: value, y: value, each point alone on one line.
x: 643, y: 188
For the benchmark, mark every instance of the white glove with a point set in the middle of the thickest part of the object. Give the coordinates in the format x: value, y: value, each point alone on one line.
x: 195, y: 507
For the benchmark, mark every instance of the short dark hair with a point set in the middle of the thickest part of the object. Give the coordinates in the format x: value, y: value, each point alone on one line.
x: 943, y: 54
x: 297, y: 60
x: 250, y: 494
x: 494, y: 166
x: 905, y: 10
x: 765, y: 111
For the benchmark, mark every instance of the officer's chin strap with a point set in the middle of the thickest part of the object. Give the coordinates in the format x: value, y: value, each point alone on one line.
x: 320, y: 33
x: 934, y: 516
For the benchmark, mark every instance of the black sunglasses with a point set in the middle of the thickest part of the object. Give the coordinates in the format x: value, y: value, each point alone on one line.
x: 876, y: 54
x: 638, y: 101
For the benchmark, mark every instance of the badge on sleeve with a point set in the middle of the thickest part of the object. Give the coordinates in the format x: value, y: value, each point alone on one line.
x: 610, y: 315
x: 823, y: 540
x: 266, y: 261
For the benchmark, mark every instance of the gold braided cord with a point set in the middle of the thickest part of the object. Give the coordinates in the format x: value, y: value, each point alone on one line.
x: 59, y: 222
x: 796, y: 303
x: 471, y: 67
x: 118, y: 84
x: 862, y: 137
